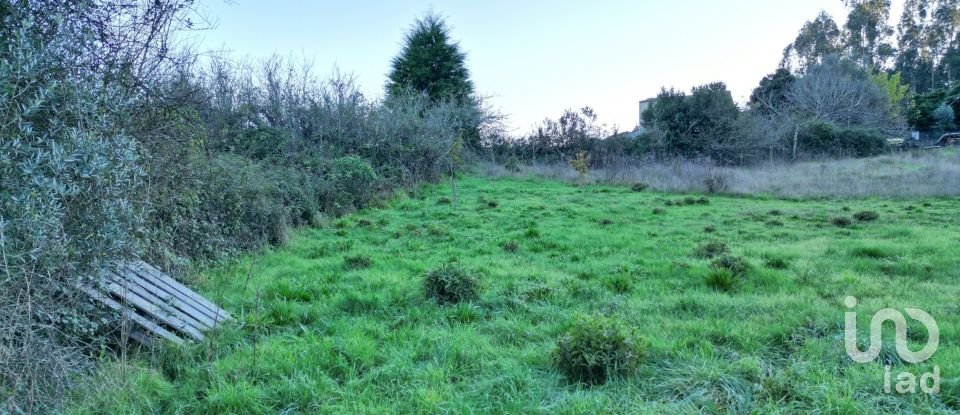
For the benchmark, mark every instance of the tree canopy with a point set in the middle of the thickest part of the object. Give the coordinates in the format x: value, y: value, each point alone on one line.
x: 431, y: 62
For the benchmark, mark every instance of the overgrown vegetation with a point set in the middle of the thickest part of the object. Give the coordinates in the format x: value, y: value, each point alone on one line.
x: 322, y: 338
x: 117, y: 144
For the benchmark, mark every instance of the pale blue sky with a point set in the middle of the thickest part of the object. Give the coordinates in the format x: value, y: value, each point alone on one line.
x: 536, y: 58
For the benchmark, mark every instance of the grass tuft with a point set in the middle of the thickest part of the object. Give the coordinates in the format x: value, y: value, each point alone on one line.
x: 355, y: 262
x: 711, y: 249
x: 597, y: 348
x: 451, y: 284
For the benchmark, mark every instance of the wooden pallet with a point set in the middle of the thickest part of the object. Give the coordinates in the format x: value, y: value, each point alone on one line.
x: 158, y: 305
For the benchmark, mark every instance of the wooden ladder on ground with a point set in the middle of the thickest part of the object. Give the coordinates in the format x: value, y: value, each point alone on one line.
x: 157, y: 304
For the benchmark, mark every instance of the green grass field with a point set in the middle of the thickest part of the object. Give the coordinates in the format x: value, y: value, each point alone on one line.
x: 336, y: 321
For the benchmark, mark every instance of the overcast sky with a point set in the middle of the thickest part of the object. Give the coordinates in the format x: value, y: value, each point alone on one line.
x: 535, y: 58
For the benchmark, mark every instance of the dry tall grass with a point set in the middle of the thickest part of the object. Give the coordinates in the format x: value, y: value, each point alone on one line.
x: 902, y: 175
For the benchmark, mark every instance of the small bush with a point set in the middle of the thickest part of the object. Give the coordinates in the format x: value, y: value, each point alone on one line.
x: 711, y: 250
x: 354, y: 262
x: 492, y: 204
x: 689, y: 200
x: 775, y: 212
x: 709, y: 229
x: 597, y: 348
x: 639, y: 186
x: 736, y: 265
x: 702, y: 200
x: 841, y: 221
x: 866, y: 216
x: 451, y: 284
x: 721, y: 279
x: 668, y: 203
x: 658, y: 211
x: 717, y: 183
x: 354, y: 183
x: 512, y: 164
x: 606, y: 221
x: 511, y: 246
x: 444, y: 201
x: 531, y: 232
x: 774, y: 223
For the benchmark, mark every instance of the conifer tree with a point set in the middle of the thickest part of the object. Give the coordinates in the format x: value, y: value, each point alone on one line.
x: 431, y: 62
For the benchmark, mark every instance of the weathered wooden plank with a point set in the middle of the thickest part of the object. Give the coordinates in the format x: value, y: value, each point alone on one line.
x: 153, y: 310
x: 156, y: 301
x: 183, y: 289
x: 164, y: 278
x: 203, y: 322
x: 143, y: 322
x: 153, y: 282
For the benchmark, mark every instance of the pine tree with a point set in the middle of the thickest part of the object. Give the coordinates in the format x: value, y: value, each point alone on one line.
x: 431, y: 62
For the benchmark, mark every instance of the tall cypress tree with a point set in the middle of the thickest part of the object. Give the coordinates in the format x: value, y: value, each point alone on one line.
x: 431, y: 62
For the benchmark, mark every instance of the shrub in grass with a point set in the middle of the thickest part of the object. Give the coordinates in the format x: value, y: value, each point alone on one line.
x: 354, y: 262
x: 776, y: 263
x: 492, y: 204
x: 866, y: 216
x: 736, y: 265
x: 639, y: 186
x: 721, y: 279
x: 444, y: 201
x: 531, y: 232
x: 711, y: 249
x: 658, y: 211
x: 511, y: 246
x: 619, y: 283
x: 841, y: 221
x: 668, y: 203
x: 436, y: 230
x: 774, y: 223
x: 606, y: 221
x: 775, y: 212
x: 702, y: 200
x: 451, y: 284
x: 717, y: 183
x: 689, y: 200
x: 597, y: 348
x: 364, y: 223
x: 709, y: 229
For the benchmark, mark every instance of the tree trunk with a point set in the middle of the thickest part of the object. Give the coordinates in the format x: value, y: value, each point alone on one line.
x: 796, y: 135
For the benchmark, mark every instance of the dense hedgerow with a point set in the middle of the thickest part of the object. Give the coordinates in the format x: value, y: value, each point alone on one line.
x: 597, y: 348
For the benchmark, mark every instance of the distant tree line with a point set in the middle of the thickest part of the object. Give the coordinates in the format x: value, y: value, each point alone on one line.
x: 840, y: 91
